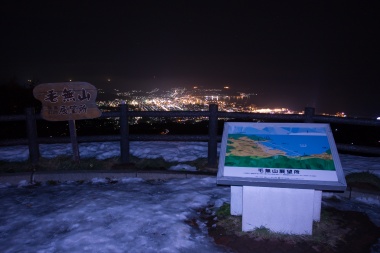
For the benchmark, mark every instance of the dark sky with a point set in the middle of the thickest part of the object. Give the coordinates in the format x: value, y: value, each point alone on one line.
x: 294, y: 54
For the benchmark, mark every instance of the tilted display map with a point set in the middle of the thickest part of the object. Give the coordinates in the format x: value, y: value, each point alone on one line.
x: 274, y: 147
x: 295, y: 155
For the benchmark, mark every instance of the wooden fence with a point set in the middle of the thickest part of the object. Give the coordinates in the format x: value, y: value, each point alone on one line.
x: 213, y: 115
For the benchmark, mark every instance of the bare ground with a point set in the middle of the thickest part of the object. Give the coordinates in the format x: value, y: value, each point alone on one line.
x: 337, y: 232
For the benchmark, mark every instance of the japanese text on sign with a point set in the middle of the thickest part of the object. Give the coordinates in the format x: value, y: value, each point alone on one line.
x: 67, y: 101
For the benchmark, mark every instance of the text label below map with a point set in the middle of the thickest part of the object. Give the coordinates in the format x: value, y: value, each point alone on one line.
x: 300, y: 155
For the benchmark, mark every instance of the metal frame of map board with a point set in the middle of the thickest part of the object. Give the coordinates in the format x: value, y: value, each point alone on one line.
x: 299, y: 155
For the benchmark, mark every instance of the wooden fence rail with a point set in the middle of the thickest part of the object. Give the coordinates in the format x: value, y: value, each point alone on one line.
x: 212, y: 137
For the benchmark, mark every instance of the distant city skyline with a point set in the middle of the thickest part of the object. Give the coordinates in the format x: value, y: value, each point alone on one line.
x: 194, y: 99
x: 295, y: 54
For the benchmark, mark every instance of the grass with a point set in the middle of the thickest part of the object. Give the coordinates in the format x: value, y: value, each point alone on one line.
x: 327, y: 232
x: 224, y: 211
x: 59, y: 163
x: 66, y: 163
x: 362, y: 179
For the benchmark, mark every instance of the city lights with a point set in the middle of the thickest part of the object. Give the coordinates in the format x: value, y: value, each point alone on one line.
x: 182, y: 99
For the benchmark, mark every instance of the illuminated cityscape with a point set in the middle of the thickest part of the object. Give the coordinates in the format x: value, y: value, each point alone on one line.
x: 183, y: 99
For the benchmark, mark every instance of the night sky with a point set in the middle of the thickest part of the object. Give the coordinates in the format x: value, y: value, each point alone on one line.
x: 323, y: 54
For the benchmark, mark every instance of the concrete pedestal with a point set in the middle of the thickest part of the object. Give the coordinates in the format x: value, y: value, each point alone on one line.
x: 282, y: 210
x: 236, y: 200
x: 317, y: 205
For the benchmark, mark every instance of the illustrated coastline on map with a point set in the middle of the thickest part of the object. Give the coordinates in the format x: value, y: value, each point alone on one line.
x: 303, y: 149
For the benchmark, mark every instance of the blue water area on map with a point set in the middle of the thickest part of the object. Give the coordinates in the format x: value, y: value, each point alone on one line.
x: 297, y: 145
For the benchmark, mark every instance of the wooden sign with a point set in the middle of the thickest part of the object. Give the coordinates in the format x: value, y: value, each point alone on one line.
x: 67, y: 101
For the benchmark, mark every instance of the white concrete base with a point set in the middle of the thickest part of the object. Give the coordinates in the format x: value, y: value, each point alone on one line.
x: 317, y: 205
x: 236, y: 200
x: 282, y: 210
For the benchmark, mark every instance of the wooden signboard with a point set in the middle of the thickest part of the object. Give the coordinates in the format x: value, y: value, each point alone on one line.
x: 290, y: 155
x: 67, y: 101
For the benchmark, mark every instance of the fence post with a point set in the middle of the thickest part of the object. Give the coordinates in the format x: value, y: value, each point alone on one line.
x: 124, y: 133
x: 212, y: 133
x: 309, y: 114
x: 74, y: 140
x: 31, y: 129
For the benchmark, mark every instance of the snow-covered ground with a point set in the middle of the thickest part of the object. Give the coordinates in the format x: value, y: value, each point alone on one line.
x: 131, y: 215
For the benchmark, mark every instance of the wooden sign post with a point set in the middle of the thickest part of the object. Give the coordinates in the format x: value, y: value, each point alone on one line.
x: 68, y: 101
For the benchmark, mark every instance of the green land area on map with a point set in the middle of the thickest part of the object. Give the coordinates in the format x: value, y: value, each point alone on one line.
x: 244, y: 151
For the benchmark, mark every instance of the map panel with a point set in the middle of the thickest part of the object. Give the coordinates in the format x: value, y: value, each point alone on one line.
x: 279, y: 151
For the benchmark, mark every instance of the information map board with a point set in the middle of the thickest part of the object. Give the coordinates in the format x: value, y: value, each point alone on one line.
x: 287, y: 155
